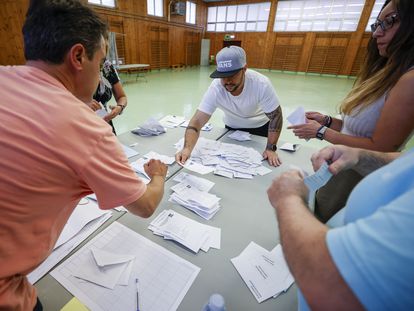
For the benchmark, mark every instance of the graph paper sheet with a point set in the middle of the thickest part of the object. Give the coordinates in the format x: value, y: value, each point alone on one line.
x: 164, y: 277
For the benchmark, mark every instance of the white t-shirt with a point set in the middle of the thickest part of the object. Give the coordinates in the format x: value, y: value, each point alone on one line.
x: 246, y: 110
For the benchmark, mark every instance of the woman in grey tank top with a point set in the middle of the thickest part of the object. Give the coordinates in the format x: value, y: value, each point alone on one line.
x: 378, y: 113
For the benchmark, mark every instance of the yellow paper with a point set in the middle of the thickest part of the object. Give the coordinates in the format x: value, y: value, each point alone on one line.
x: 74, y: 305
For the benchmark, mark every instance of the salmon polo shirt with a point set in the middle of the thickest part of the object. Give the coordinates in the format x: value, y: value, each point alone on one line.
x: 54, y: 150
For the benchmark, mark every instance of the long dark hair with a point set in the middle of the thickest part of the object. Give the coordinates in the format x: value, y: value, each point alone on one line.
x: 378, y: 73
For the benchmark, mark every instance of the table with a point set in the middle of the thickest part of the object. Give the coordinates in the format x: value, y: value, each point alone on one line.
x: 139, y: 69
x: 246, y: 215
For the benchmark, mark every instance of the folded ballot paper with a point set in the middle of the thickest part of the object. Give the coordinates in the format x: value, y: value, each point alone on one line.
x: 240, y: 136
x: 319, y: 178
x: 151, y: 127
x: 105, y: 268
x: 193, y: 235
x: 265, y: 273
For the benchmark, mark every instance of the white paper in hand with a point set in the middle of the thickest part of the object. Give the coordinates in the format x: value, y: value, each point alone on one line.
x: 297, y: 117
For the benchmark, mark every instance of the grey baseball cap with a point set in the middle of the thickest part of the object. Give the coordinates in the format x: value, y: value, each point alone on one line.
x: 230, y: 60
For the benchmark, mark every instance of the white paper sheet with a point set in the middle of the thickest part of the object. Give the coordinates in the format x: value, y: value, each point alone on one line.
x: 265, y: 273
x: 59, y: 253
x: 163, y: 276
x: 297, y: 116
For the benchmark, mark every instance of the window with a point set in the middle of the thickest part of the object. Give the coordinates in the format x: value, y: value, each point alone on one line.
x: 108, y: 3
x: 374, y: 14
x: 246, y: 17
x: 155, y: 7
x: 190, y: 13
x: 318, y: 15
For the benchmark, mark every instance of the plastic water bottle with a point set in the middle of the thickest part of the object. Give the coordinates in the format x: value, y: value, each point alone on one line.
x: 215, y: 303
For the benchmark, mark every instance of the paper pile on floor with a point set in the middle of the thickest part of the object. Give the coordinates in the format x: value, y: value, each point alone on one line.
x: 228, y: 160
x: 151, y: 127
x: 265, y: 273
x: 192, y: 234
x: 192, y: 193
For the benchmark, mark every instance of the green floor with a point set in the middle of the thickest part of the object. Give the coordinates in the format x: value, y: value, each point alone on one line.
x: 180, y: 92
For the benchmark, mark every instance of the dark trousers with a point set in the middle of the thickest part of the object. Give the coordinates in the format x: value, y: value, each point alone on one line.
x: 38, y: 306
x: 259, y: 131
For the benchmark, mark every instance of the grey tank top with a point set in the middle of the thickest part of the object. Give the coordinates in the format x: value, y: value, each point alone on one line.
x: 361, y: 122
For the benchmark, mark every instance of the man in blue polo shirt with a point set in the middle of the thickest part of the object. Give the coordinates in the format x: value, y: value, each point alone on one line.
x: 368, y: 262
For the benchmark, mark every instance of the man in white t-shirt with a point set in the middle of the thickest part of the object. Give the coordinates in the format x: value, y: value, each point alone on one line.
x: 246, y: 97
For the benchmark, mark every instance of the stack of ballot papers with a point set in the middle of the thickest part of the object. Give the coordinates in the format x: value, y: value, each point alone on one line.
x: 171, y: 121
x: 104, y: 268
x: 151, y: 127
x: 240, y: 136
x: 193, y: 235
x: 228, y: 160
x: 207, y: 127
x: 265, y: 273
x: 192, y: 193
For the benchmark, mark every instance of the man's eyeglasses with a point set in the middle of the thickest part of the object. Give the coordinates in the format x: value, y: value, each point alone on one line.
x: 386, y: 24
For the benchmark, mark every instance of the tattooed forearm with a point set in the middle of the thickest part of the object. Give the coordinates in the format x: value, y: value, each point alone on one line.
x: 276, y: 120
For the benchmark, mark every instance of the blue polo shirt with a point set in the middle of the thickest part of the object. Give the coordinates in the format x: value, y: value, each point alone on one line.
x: 374, y: 250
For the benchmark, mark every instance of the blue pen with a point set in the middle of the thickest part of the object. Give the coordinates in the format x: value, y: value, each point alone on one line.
x: 137, y: 288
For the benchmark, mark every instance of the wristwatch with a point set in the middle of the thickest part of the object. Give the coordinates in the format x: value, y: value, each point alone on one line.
x: 320, y: 134
x: 272, y: 147
x: 122, y: 108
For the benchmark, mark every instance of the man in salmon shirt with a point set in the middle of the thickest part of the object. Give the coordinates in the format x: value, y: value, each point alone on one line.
x: 54, y: 149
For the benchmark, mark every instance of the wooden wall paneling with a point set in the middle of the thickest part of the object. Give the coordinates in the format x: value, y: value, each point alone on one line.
x: 12, y: 15
x: 192, y: 48
x: 319, y: 53
x: 307, y: 47
x: 254, y: 46
x: 360, y: 57
x: 335, y: 53
x: 287, y: 51
x: 164, y: 47
x: 178, y: 46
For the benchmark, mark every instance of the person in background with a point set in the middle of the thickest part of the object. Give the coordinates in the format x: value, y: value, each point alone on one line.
x: 248, y: 100
x: 368, y: 262
x: 378, y: 113
x: 54, y: 148
x: 109, y: 83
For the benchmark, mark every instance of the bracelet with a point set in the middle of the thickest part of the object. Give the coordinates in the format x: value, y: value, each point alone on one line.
x: 192, y: 128
x: 328, y: 121
x: 122, y: 109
